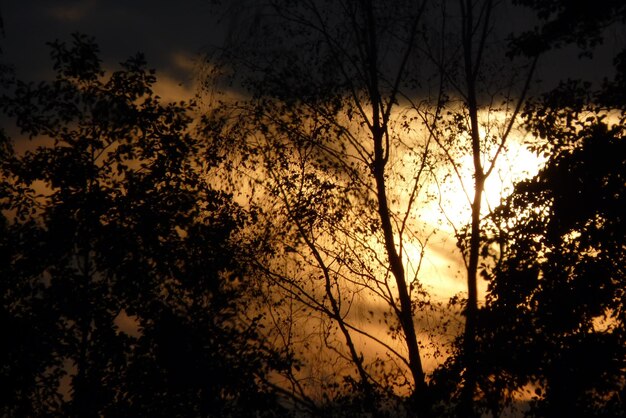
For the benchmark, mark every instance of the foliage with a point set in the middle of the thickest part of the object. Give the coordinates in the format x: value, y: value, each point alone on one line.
x: 356, y: 110
x: 554, y: 319
x: 568, y: 22
x: 336, y: 172
x: 560, y: 124
x: 122, y: 293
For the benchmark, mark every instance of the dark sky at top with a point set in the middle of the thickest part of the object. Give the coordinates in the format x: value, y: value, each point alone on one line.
x: 172, y: 34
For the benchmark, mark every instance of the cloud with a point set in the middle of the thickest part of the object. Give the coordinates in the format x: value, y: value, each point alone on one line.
x: 74, y: 12
x: 184, y: 61
x: 170, y: 89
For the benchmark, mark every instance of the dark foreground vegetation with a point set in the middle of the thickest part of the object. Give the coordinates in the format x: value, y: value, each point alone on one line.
x: 172, y: 260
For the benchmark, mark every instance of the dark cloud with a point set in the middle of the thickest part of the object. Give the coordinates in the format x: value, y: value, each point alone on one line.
x: 169, y: 33
x: 172, y: 34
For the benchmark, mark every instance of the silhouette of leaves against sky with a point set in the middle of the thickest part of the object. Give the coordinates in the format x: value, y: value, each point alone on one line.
x: 111, y: 217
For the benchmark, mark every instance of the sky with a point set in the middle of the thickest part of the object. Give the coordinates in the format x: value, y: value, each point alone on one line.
x: 170, y: 34
x: 173, y: 35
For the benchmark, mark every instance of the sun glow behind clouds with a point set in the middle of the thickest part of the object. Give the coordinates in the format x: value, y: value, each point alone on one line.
x: 453, y: 211
x: 449, y: 210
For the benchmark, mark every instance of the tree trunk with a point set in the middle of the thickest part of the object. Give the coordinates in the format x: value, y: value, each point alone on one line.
x: 405, y: 313
x: 469, y: 336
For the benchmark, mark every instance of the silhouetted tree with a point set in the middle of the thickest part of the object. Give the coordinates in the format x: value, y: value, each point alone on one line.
x: 553, y: 315
x: 555, y: 312
x: 560, y: 23
x: 335, y: 144
x: 349, y: 100
x: 121, y: 290
x: 549, y: 313
x: 482, y: 92
x: 322, y: 140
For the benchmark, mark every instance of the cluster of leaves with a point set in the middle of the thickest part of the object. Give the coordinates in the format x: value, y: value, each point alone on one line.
x: 555, y: 318
x: 567, y: 22
x: 122, y: 293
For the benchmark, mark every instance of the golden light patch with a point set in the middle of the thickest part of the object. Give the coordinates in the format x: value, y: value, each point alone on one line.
x: 172, y: 90
x: 127, y: 324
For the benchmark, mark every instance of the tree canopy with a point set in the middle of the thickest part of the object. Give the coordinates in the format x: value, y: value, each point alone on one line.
x: 122, y: 293
x: 555, y: 308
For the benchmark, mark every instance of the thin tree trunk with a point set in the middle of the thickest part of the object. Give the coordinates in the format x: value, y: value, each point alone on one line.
x: 405, y: 313
x: 378, y: 130
x: 471, y: 310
